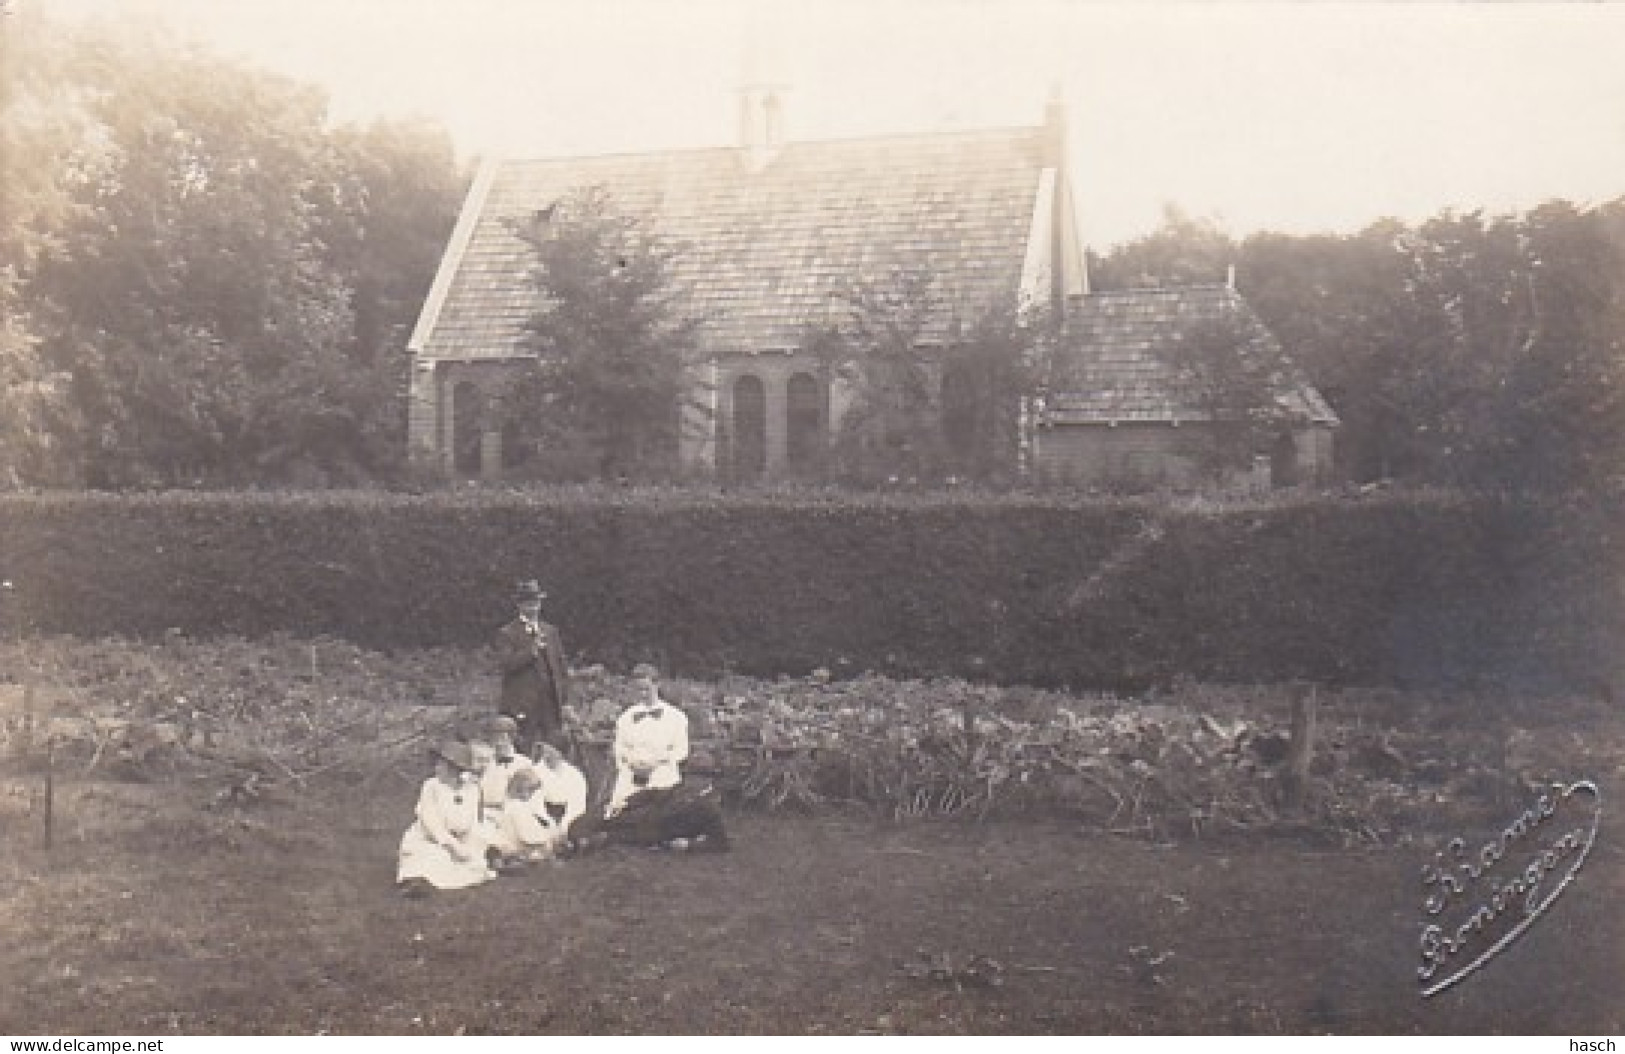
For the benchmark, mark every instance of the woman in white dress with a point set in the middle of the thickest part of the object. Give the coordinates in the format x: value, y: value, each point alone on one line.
x: 651, y: 743
x: 652, y: 805
x: 445, y: 848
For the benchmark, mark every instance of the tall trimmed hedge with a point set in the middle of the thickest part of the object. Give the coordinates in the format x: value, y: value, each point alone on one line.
x: 1421, y: 589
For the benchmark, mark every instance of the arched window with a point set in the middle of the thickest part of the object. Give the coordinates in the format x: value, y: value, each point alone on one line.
x: 806, y: 411
x: 467, y: 423
x: 749, y: 427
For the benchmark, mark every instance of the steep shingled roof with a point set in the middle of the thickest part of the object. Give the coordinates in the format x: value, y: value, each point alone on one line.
x: 1118, y: 369
x: 762, y: 251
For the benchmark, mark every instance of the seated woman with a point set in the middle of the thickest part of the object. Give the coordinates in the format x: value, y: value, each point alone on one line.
x: 651, y: 743
x: 651, y: 805
x: 444, y: 848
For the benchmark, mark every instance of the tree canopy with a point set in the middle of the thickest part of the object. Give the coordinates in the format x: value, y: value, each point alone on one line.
x: 216, y: 282
x: 1470, y: 350
x: 613, y: 382
x: 932, y: 394
x: 1234, y: 374
x: 204, y: 282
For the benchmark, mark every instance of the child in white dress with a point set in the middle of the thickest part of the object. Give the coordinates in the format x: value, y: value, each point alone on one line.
x: 495, y: 763
x: 564, y: 787
x: 543, y: 802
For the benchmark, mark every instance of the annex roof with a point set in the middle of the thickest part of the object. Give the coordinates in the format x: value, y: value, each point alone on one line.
x: 1116, y: 364
x: 762, y: 251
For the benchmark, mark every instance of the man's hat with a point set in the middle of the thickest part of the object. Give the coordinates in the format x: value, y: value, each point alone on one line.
x: 498, y: 724
x: 457, y: 753
x: 529, y: 591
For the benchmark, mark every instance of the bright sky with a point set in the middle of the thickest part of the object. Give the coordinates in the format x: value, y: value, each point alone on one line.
x: 1296, y: 117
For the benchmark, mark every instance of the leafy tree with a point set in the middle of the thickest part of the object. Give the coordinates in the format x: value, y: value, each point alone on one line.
x: 1183, y: 250
x: 613, y: 373
x: 1556, y: 414
x: 892, y: 425
x: 1340, y: 304
x: 1538, y: 346
x: 988, y: 373
x: 34, y: 125
x: 1470, y: 350
x: 1234, y: 373
x: 1461, y: 288
x: 197, y: 316
x: 398, y: 195
x: 401, y: 194
x: 931, y: 396
x: 219, y: 285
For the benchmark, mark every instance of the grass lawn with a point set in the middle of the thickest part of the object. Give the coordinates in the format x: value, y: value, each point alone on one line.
x: 162, y: 910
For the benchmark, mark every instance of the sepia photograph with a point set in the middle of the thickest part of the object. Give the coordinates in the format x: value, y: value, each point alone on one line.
x: 606, y: 518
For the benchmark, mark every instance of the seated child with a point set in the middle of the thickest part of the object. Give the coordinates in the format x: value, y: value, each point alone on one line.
x: 497, y: 761
x: 544, y: 802
x: 564, y: 787
x: 525, y: 832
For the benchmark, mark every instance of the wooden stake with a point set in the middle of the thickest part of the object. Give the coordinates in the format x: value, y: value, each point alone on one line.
x: 30, y: 724
x: 1301, y: 751
x: 50, y: 759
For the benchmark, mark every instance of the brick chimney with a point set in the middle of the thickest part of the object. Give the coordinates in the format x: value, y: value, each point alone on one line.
x: 1069, y: 269
x: 1055, y: 128
x: 761, y: 124
x: 761, y: 100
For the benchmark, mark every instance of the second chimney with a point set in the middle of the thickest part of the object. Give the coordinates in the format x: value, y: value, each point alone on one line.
x: 761, y: 125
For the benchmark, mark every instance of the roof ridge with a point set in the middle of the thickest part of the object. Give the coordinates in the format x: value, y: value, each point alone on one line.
x: 963, y: 133
x: 1197, y: 286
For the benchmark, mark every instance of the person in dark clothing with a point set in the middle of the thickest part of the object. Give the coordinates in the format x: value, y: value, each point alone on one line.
x: 688, y: 816
x: 535, y: 678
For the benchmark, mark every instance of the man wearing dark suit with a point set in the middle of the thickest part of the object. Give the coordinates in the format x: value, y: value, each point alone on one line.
x: 535, y: 679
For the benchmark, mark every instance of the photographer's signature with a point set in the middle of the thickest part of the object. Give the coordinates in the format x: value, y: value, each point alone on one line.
x: 1496, y: 879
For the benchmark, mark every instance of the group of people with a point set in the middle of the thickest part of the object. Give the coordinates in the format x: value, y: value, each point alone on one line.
x: 505, y: 794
